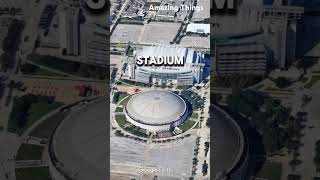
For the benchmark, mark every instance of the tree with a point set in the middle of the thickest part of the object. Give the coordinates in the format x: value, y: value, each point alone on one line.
x: 294, y: 177
x: 28, y: 68
x: 282, y: 82
x: 306, y: 63
x: 205, y: 167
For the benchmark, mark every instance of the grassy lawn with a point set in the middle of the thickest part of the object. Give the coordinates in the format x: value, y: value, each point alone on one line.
x: 40, y: 109
x: 121, y: 120
x: 271, y: 171
x: 122, y: 96
x: 35, y: 112
x: 194, y: 115
x: 121, y: 83
x: 136, y: 131
x: 197, y: 126
x: 33, y: 173
x: 29, y: 152
x: 119, y: 109
x: 278, y: 89
x: 46, y: 128
x: 36, y: 71
x: 313, y: 80
x: 124, y: 101
x: 70, y: 67
x: 259, y: 86
x: 187, y: 125
x: 304, y: 79
x: 44, y: 72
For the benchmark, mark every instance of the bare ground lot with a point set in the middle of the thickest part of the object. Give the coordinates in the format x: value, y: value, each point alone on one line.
x: 195, y: 41
x: 126, y: 33
x: 152, y: 33
x: 159, y: 33
x: 175, y: 160
x: 202, y: 14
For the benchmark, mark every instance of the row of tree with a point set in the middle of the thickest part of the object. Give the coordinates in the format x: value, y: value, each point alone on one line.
x: 278, y: 128
x: 11, y: 44
x: 20, y: 110
x: 193, y: 98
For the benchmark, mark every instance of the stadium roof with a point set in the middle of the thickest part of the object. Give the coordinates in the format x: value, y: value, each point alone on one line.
x: 156, y: 107
x: 228, y: 144
x: 163, y: 51
x: 189, y: 54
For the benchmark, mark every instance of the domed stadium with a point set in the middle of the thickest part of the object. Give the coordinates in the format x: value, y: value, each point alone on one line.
x: 78, y: 146
x: 156, y: 110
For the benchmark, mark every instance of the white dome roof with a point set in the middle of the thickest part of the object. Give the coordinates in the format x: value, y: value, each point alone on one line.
x: 156, y: 107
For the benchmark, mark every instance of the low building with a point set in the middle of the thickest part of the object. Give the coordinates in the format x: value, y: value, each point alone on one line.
x: 241, y: 59
x: 173, y: 10
x: 70, y: 31
x: 198, y: 28
x: 94, y: 47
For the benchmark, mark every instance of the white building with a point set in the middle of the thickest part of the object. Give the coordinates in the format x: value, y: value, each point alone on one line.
x: 198, y: 28
x: 156, y: 110
x: 69, y: 31
x: 131, y: 70
x: 188, y: 74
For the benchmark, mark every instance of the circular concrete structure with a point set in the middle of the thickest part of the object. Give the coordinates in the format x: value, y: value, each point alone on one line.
x: 96, y: 4
x: 156, y: 110
x: 78, y: 148
x: 229, y: 152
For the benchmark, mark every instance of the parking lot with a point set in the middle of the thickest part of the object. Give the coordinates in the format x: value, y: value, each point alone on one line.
x: 159, y: 33
x: 125, y: 33
x: 195, y: 41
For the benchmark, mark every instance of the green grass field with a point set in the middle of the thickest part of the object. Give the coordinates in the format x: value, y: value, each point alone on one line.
x: 70, y: 67
x: 41, y: 72
x: 313, y: 80
x: 46, y: 128
x: 187, y: 125
x: 197, y: 126
x: 119, y: 109
x: 271, y: 171
x: 122, y: 96
x: 33, y: 173
x: 36, y: 111
x: 194, y: 115
x: 124, y: 101
x: 121, y: 120
x: 136, y: 131
x: 29, y: 152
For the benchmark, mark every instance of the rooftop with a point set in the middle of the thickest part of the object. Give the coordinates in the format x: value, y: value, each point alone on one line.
x: 156, y: 107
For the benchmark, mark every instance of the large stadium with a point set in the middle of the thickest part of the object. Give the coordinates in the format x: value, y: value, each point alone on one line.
x: 191, y: 72
x: 156, y: 110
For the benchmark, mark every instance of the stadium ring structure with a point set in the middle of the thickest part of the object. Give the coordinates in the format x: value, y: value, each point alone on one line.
x: 77, y: 148
x: 230, y: 149
x: 156, y: 110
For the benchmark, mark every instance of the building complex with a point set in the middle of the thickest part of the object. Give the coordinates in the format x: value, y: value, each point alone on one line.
x: 191, y: 72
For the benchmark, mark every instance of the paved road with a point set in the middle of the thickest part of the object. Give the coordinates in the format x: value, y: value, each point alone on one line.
x: 204, y: 134
x: 311, y: 135
x: 119, y: 14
